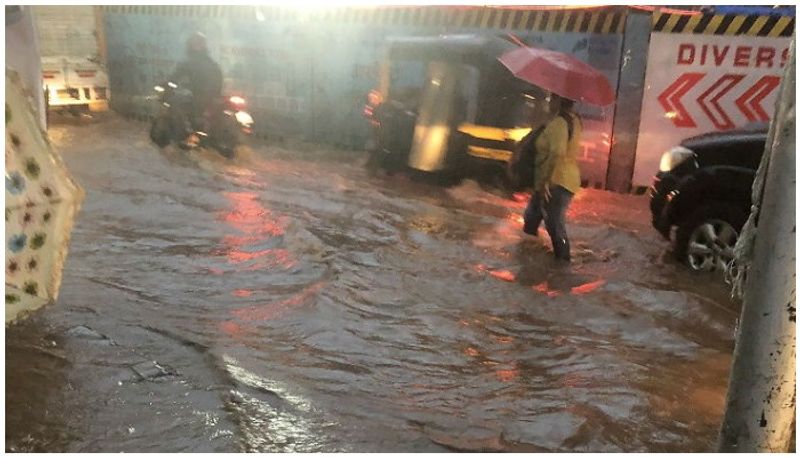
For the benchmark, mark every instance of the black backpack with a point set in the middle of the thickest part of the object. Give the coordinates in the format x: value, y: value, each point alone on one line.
x: 522, y: 166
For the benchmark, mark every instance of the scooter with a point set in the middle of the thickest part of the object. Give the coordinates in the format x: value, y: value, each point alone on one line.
x: 224, y: 127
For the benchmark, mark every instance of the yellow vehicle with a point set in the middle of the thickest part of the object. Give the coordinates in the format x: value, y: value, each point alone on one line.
x: 446, y: 105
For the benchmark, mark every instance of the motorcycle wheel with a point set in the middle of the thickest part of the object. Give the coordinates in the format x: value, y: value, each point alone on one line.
x: 161, y: 131
x: 228, y: 138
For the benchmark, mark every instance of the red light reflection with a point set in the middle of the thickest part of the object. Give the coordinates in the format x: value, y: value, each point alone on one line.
x: 250, y: 217
x: 518, y: 201
x: 516, y: 219
x: 472, y: 352
x: 588, y: 287
x: 257, y: 224
x: 507, y: 375
x: 545, y: 289
x: 503, y: 275
x: 273, y: 310
x: 231, y: 328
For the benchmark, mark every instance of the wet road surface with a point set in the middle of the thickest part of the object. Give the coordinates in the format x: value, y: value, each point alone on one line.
x: 292, y: 301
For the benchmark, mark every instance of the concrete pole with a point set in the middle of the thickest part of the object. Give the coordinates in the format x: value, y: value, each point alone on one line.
x: 760, y: 409
x: 630, y: 92
x: 22, y: 56
x: 100, y: 34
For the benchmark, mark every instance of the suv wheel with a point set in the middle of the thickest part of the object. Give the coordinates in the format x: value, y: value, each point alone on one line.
x: 705, y: 240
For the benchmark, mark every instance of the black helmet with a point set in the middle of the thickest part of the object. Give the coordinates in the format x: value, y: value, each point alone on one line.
x: 196, y: 44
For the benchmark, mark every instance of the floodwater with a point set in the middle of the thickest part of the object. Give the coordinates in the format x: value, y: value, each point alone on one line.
x: 291, y: 300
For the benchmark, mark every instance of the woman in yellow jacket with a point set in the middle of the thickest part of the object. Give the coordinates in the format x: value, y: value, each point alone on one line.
x: 557, y: 176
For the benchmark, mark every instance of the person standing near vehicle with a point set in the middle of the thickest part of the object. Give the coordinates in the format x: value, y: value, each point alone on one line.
x: 202, y: 76
x: 556, y: 176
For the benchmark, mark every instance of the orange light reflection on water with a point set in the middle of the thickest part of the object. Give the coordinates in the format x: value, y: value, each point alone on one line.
x: 472, y: 352
x: 272, y: 310
x: 242, y: 293
x: 588, y: 287
x: 250, y: 217
x: 544, y: 288
x: 503, y: 275
x: 257, y: 225
x: 507, y: 375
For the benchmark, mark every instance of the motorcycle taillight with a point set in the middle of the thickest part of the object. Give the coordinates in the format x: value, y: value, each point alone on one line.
x: 374, y: 98
x: 237, y: 101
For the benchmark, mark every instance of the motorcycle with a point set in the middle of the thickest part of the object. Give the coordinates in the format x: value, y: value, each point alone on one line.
x: 222, y: 129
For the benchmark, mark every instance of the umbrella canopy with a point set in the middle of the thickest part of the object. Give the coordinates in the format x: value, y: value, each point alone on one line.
x: 559, y: 73
x: 41, y: 204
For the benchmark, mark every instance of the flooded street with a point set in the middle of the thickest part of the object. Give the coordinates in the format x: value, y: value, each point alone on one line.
x: 292, y: 301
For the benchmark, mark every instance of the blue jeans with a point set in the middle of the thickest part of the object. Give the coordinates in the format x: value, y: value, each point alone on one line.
x: 554, y: 214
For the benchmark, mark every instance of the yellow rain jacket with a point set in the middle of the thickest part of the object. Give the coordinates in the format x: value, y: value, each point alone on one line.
x: 557, y: 155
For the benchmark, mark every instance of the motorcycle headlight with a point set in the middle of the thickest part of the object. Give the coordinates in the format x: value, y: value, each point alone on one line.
x: 674, y: 157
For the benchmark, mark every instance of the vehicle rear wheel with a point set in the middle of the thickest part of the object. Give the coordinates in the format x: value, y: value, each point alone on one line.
x: 705, y: 240
x: 229, y: 137
x: 227, y: 145
x: 389, y: 163
x: 161, y: 131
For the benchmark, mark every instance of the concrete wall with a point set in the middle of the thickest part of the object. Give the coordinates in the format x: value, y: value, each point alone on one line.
x: 22, y: 55
x: 307, y: 74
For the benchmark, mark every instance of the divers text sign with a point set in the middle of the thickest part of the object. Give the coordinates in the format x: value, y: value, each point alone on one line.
x: 702, y: 83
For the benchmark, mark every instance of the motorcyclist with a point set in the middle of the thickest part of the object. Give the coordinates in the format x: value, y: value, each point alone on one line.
x: 203, y: 77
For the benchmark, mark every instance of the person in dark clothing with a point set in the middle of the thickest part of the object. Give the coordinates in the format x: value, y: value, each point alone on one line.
x: 202, y: 76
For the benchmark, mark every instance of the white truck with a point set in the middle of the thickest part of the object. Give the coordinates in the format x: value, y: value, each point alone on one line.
x: 73, y: 76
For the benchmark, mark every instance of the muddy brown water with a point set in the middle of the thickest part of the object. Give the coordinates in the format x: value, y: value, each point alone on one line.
x: 292, y: 301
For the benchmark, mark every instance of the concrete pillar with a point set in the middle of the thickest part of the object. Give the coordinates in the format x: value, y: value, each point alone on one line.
x: 22, y: 54
x: 100, y: 33
x: 625, y: 132
x: 760, y: 409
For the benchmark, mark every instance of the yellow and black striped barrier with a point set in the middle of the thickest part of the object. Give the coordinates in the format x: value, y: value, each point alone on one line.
x: 584, y: 21
x: 607, y: 20
x: 724, y: 24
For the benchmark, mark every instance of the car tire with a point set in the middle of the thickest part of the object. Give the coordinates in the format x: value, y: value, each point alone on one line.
x: 705, y: 228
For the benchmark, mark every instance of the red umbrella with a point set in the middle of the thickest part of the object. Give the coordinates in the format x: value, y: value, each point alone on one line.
x: 559, y: 73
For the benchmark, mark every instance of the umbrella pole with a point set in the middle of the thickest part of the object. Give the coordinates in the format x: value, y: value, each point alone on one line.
x: 516, y: 40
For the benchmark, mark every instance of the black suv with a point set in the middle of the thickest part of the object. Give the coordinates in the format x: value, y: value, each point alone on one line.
x: 704, y: 188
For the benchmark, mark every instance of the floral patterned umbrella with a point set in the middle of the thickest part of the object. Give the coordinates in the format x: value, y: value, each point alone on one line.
x: 41, y: 204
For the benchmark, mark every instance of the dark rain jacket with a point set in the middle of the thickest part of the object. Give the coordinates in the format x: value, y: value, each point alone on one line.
x: 201, y: 75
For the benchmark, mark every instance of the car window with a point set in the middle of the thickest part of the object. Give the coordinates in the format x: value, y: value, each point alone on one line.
x: 740, y: 154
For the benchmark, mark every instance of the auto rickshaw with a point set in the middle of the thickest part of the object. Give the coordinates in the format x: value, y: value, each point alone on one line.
x: 446, y: 105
